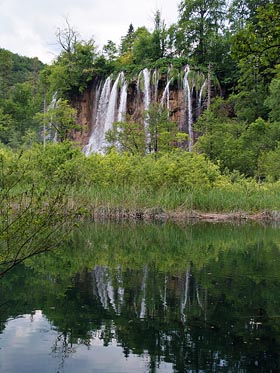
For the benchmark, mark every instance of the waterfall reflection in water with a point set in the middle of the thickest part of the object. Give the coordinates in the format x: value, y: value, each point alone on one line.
x: 168, y: 304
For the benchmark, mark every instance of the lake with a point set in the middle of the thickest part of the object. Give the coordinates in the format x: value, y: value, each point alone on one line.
x: 146, y: 298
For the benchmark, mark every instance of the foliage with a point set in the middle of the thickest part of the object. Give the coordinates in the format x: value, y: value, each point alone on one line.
x: 34, y: 217
x: 256, y: 49
x: 272, y: 101
x: 61, y: 119
x: 235, y: 145
x: 269, y: 164
x: 73, y: 70
x: 20, y: 98
x: 156, y: 134
x: 239, y: 134
x: 15, y: 69
x: 199, y: 24
x: 127, y: 137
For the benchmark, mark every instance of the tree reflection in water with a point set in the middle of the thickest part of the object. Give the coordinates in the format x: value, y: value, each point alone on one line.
x: 208, y: 303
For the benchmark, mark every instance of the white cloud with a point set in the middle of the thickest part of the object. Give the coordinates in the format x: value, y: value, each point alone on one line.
x: 28, y: 27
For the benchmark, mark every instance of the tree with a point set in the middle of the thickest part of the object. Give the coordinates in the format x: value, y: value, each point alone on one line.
x: 127, y: 41
x: 61, y: 119
x: 142, y: 47
x: 67, y: 38
x: 159, y: 37
x: 259, y: 41
x: 110, y: 50
x: 163, y: 134
x: 33, y: 220
x: 241, y: 11
x: 159, y: 135
x: 74, y: 67
x: 7, y: 129
x: 235, y: 145
x: 5, y: 72
x: 273, y: 100
x: 20, y: 107
x: 200, y: 22
x: 256, y: 50
x: 127, y: 137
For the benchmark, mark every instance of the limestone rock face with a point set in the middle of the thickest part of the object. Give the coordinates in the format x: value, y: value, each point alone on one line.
x: 84, y: 107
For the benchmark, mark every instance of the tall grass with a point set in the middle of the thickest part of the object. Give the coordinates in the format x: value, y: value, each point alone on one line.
x: 176, y: 181
x: 219, y: 199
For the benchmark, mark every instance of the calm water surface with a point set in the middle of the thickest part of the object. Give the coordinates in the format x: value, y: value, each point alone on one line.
x: 147, y: 298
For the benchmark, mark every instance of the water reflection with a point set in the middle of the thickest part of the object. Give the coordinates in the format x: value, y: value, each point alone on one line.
x: 146, y: 299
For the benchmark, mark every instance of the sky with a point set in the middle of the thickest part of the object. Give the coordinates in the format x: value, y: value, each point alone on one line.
x: 28, y: 27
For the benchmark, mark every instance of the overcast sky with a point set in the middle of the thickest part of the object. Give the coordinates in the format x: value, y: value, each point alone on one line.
x: 28, y: 27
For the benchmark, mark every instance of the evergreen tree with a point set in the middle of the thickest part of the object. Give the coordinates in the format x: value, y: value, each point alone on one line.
x: 127, y: 40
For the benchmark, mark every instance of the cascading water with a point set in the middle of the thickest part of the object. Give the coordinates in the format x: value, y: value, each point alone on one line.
x: 146, y: 99
x: 97, y: 136
x: 155, y: 80
x: 123, y: 99
x: 202, y: 89
x: 49, y: 132
x: 106, y: 113
x: 111, y: 104
x: 147, y: 88
x: 189, y: 107
x: 110, y: 115
x: 96, y: 101
x: 166, y: 96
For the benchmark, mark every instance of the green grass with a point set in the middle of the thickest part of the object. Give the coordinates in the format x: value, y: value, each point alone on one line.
x: 236, y: 198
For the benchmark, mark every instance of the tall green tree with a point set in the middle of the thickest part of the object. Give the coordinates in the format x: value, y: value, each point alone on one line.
x: 6, y: 65
x: 74, y: 67
x: 127, y: 41
x: 241, y: 11
x: 200, y: 24
x: 60, y: 120
x: 159, y: 37
x: 256, y: 50
x: 110, y: 50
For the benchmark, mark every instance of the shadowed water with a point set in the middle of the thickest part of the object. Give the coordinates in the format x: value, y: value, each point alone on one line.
x: 147, y: 298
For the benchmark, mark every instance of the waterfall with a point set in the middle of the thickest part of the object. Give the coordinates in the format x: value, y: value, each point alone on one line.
x: 146, y: 99
x: 96, y: 101
x: 111, y: 102
x: 189, y: 107
x: 97, y: 136
x: 147, y: 88
x: 123, y: 100
x: 200, y: 96
x: 106, y: 113
x: 49, y: 132
x: 147, y: 94
x: 110, y: 116
x: 165, y: 96
x: 155, y: 84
